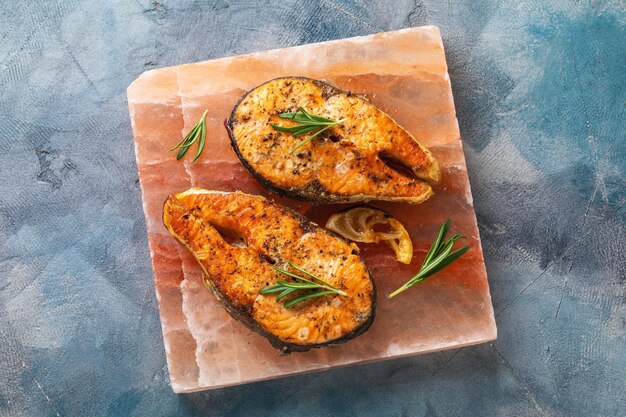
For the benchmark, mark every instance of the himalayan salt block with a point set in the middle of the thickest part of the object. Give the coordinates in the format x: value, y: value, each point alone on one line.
x: 405, y: 74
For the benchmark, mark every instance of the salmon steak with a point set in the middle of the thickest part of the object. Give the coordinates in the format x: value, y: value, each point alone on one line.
x: 242, y: 241
x: 365, y: 156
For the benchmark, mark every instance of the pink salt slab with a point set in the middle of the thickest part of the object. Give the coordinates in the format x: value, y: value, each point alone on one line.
x: 405, y: 74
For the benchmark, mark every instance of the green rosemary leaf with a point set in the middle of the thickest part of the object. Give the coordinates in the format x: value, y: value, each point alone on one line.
x: 438, y: 257
x: 202, y: 139
x: 292, y: 302
x: 302, y: 115
x: 453, y: 256
x: 191, y: 138
x: 285, y: 293
x: 316, y: 277
x: 312, y: 136
x: 445, y: 250
x: 306, y: 122
x: 434, y: 248
x: 182, y: 152
x: 301, y: 286
x: 291, y: 274
x: 285, y: 288
x: 305, y: 129
x: 271, y: 290
x: 197, y: 132
x: 449, y: 242
x: 286, y: 129
x: 188, y: 137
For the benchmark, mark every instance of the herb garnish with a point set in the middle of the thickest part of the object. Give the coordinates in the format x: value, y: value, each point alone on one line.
x: 287, y: 288
x: 306, y: 123
x: 437, y: 258
x: 198, y: 132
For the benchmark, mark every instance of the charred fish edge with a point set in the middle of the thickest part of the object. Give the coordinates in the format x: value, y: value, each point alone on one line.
x: 243, y: 316
x: 314, y: 191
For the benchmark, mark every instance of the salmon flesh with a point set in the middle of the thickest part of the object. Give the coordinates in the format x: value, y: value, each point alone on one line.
x: 239, y: 239
x: 366, y: 157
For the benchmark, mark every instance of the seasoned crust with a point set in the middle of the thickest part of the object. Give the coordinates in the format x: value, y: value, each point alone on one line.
x: 265, y: 152
x: 186, y: 216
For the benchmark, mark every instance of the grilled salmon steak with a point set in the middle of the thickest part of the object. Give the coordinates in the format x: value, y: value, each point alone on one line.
x: 367, y: 156
x: 241, y: 241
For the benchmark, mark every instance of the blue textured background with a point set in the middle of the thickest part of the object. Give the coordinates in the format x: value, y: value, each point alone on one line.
x: 540, y: 94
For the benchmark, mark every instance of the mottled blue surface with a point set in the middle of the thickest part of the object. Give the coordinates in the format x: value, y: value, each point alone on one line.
x: 540, y: 93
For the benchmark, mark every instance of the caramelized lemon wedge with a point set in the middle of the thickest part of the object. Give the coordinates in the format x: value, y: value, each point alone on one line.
x: 370, y: 225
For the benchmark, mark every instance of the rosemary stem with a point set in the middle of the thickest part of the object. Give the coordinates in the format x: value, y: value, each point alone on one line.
x: 286, y: 288
x: 438, y: 257
x: 305, y: 123
x: 398, y: 291
x: 196, y: 134
x: 415, y: 280
x: 304, y: 142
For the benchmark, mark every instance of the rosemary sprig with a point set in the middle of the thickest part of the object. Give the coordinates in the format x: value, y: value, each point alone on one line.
x: 284, y: 288
x: 307, y: 122
x: 198, y: 132
x: 437, y: 258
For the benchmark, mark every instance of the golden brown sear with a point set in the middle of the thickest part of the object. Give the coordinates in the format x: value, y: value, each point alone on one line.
x: 239, y: 240
x: 366, y: 157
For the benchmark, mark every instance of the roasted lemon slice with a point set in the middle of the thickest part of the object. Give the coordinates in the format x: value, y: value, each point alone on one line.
x: 369, y: 225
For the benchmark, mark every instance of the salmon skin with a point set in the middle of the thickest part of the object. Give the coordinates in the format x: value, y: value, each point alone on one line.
x: 238, y: 239
x: 366, y: 157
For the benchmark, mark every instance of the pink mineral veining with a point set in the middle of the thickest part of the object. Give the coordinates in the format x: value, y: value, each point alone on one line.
x: 405, y: 74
